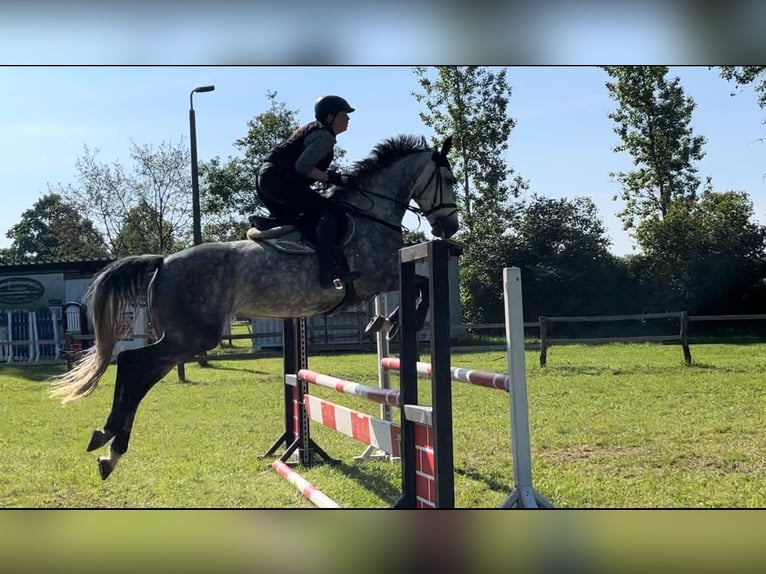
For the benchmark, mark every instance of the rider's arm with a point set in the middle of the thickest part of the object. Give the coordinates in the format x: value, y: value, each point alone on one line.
x: 317, y: 146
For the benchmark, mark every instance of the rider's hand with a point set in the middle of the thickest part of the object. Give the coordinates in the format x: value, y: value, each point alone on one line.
x: 334, y: 177
x: 348, y: 180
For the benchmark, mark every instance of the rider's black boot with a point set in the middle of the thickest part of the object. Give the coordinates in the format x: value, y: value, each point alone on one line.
x: 330, y: 274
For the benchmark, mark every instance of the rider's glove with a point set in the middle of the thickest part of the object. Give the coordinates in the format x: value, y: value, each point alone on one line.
x: 334, y: 177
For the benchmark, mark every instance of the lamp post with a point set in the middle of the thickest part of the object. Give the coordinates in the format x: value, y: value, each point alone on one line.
x: 196, y: 223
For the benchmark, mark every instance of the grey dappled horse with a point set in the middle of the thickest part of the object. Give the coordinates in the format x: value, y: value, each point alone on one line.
x: 191, y: 294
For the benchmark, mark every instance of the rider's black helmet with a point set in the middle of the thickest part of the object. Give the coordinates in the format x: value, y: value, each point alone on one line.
x: 330, y: 105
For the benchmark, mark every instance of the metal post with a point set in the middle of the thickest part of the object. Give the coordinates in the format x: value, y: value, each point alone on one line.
x: 290, y: 363
x: 196, y: 219
x: 196, y: 223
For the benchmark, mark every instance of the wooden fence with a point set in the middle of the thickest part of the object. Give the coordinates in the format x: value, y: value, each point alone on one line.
x: 681, y: 337
x: 323, y: 339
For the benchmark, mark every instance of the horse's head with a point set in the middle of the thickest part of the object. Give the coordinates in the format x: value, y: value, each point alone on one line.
x: 435, y: 193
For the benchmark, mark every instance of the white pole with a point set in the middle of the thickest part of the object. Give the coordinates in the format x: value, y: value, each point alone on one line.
x: 384, y: 378
x: 8, y: 349
x: 34, y: 346
x: 524, y: 496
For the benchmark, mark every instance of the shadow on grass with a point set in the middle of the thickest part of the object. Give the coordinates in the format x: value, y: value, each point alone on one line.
x: 371, y: 477
x: 606, y: 370
x: 492, y: 484
x: 219, y: 367
x: 32, y: 372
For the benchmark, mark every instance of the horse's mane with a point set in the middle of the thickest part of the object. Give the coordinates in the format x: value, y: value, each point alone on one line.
x: 388, y: 151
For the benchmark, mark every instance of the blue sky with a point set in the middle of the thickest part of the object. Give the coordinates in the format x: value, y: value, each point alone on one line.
x: 562, y: 142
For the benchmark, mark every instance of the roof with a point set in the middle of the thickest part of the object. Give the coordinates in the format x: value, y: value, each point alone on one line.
x: 71, y: 265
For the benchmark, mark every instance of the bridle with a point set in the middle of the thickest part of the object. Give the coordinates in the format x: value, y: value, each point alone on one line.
x: 439, y: 204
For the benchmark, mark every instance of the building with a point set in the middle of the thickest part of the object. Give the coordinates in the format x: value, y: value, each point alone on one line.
x: 41, y: 302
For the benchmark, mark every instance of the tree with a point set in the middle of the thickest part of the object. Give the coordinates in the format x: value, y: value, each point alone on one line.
x: 54, y: 230
x: 471, y: 104
x: 562, y: 248
x: 158, y: 187
x: 144, y: 231
x: 654, y: 123
x: 229, y: 193
x: 708, y: 257
x: 413, y: 237
x: 744, y: 75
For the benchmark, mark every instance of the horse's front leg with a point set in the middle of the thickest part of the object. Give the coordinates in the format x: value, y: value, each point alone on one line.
x: 391, y: 323
x: 423, y: 302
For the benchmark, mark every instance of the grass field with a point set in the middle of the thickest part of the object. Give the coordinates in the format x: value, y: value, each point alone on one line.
x: 613, y: 426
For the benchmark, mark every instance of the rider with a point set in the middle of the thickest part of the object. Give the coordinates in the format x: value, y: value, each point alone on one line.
x: 288, y: 171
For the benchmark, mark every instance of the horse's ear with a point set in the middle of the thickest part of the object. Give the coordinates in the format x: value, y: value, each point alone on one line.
x: 446, y: 146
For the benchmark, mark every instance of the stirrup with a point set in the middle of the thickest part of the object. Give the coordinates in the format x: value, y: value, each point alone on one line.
x: 339, y: 278
x: 335, y: 282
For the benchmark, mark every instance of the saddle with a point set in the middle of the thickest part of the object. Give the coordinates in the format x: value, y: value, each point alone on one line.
x: 290, y: 237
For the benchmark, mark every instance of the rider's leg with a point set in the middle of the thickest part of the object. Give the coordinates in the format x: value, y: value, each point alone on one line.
x: 274, y: 191
x: 325, y: 249
x: 332, y: 262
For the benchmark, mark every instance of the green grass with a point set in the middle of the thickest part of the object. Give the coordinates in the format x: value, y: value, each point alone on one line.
x: 613, y: 426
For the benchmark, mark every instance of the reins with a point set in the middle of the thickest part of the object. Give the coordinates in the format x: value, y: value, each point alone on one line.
x: 416, y: 210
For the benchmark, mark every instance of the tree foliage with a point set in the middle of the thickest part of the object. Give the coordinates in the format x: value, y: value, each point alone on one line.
x: 470, y: 103
x: 158, y: 186
x: 145, y: 231
x: 710, y: 256
x: 52, y: 230
x: 562, y: 248
x: 745, y: 75
x: 653, y: 120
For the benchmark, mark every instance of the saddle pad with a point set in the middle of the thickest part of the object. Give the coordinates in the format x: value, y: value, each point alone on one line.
x: 289, y: 246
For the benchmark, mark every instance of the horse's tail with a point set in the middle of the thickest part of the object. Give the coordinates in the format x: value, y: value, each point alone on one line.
x: 121, y: 282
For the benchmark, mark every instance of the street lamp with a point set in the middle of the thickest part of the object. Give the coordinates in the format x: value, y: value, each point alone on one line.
x: 196, y: 224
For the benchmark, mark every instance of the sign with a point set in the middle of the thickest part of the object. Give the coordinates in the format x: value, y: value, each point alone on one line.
x: 31, y: 292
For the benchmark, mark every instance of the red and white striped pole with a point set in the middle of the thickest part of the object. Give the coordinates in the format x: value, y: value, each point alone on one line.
x: 314, y: 495
x: 470, y: 376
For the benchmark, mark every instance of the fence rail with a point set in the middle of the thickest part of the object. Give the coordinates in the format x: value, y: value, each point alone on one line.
x: 361, y: 341
x: 682, y: 337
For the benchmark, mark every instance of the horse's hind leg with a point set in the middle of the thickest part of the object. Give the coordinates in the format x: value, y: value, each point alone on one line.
x: 137, y: 372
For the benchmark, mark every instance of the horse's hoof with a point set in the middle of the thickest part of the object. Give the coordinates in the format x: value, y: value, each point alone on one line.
x: 377, y: 324
x: 105, y: 468
x: 99, y: 438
